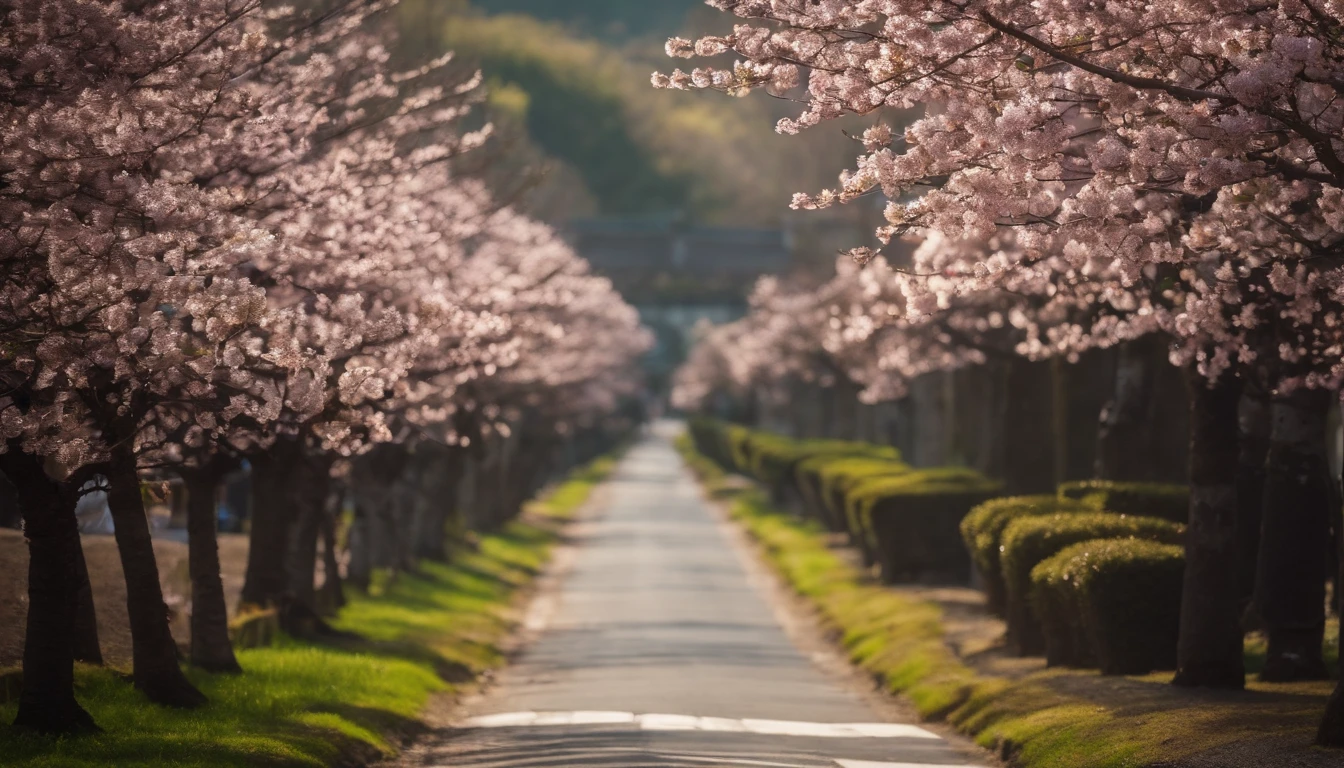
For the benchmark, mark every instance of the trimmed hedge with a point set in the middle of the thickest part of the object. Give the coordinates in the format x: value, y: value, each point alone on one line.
x: 912, y: 521
x: 1030, y: 540
x: 773, y: 458
x: 1114, y: 603
x: 982, y: 532
x: 807, y: 476
x: 738, y: 440
x: 904, y: 520
x: 1164, y: 500
x: 1055, y: 602
x: 711, y: 439
x: 840, y: 477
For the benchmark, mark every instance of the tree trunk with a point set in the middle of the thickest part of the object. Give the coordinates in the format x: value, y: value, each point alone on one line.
x: 314, y: 484
x: 268, y: 540
x: 86, y: 647
x: 1029, y: 414
x: 1331, y: 732
x: 154, y: 654
x: 1209, y: 651
x: 47, y: 702
x: 1125, y: 440
x: 1254, y: 433
x: 211, y: 648
x: 332, y: 596
x: 359, y: 570
x: 1295, y: 537
x: 439, y: 503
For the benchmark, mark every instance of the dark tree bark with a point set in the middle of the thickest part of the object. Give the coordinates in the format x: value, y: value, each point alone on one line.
x: 1028, y: 424
x: 273, y: 500
x: 1331, y: 732
x: 154, y: 654
x: 86, y: 647
x: 1254, y: 432
x: 47, y: 702
x: 359, y: 569
x: 1209, y: 650
x: 332, y: 595
x: 1125, y: 440
x: 314, y: 486
x: 211, y: 648
x: 1295, y: 537
x: 438, y: 502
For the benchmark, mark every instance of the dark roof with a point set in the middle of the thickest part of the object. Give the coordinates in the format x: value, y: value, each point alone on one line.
x: 667, y: 245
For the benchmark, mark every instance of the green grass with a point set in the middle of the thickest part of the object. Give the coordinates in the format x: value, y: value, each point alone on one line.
x: 300, y: 704
x: 1053, y: 718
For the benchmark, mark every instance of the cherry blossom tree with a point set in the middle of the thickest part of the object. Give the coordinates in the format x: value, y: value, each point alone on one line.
x: 1183, y: 160
x: 234, y: 232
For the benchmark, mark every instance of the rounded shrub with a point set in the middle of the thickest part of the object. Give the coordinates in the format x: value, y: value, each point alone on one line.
x: 737, y: 440
x: 1164, y: 500
x: 707, y: 435
x: 1054, y: 599
x: 839, y: 476
x: 773, y: 457
x: 982, y: 530
x: 809, y: 476
x: 1115, y: 603
x: 912, y: 521
x: 1028, y: 541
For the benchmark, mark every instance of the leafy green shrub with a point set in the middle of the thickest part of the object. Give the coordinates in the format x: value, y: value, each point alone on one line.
x: 839, y: 476
x: 707, y: 435
x: 1116, y: 602
x: 774, y: 457
x: 1028, y: 541
x: 1054, y: 599
x: 255, y: 628
x: 738, y: 441
x: 1164, y: 500
x: 912, y: 521
x: 982, y: 531
x: 807, y: 476
x: 717, y: 440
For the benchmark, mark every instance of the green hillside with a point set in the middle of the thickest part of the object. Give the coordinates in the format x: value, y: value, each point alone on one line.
x: 604, y: 18
x: 580, y: 106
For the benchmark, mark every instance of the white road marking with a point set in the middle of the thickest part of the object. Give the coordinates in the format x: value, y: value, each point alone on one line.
x: 720, y: 725
x: 667, y: 722
x: 891, y: 731
x: 790, y: 728
x: 504, y: 720
x: 867, y: 764
x: 718, y: 760
x: 602, y: 718
x: 664, y: 722
x: 552, y: 718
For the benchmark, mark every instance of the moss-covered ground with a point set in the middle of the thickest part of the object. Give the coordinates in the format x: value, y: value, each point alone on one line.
x: 1047, y: 718
x: 306, y: 704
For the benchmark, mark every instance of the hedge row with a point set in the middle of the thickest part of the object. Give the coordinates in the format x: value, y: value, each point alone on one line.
x: 1169, y: 502
x: 904, y: 521
x: 1089, y: 577
x: 1111, y: 603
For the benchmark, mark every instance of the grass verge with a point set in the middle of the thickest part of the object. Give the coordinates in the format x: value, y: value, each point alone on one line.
x: 1054, y: 718
x: 301, y: 704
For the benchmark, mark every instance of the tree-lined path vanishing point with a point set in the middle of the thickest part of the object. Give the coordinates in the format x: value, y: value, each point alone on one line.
x: 661, y: 651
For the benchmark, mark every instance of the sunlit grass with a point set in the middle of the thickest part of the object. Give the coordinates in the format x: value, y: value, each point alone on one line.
x: 300, y: 704
x: 1055, y: 718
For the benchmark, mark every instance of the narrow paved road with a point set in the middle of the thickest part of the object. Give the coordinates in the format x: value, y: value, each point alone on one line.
x: 661, y: 652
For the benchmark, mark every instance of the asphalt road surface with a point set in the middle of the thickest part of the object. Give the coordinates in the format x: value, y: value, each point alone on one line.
x: 659, y: 650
